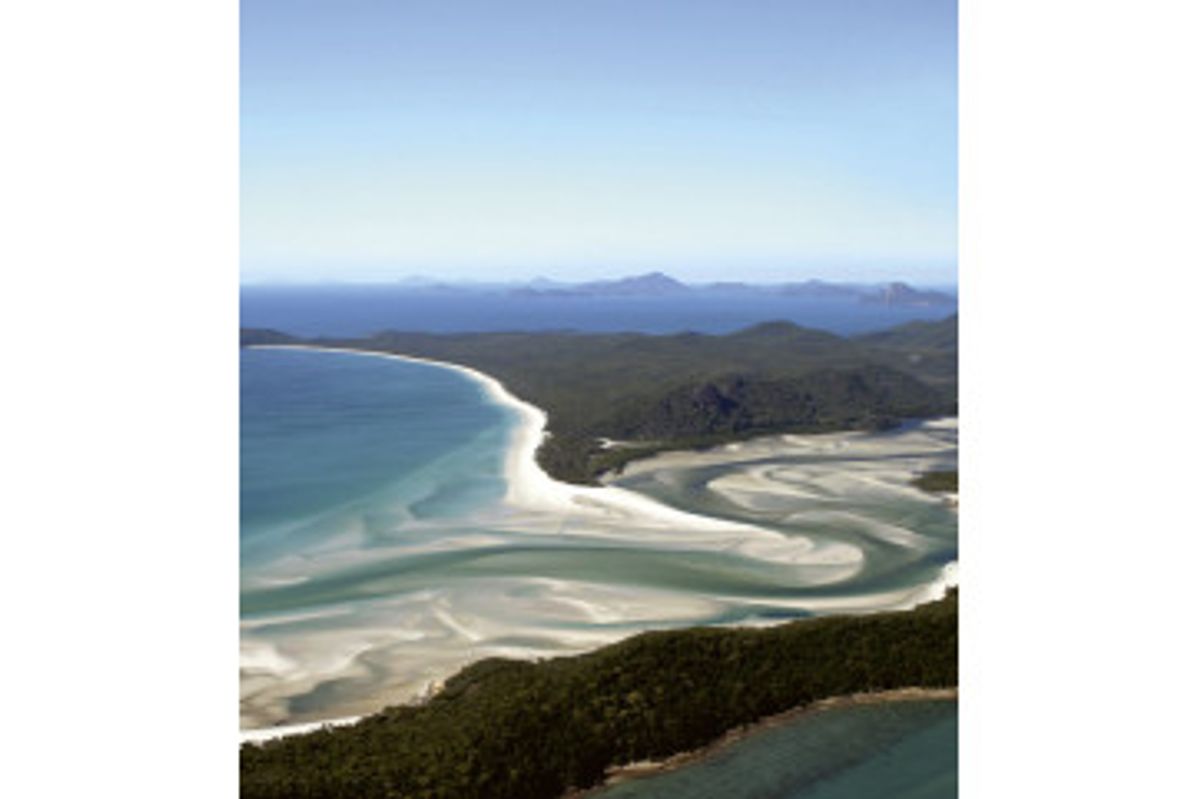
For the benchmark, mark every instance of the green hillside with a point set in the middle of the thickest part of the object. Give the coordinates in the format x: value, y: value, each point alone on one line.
x: 692, y: 389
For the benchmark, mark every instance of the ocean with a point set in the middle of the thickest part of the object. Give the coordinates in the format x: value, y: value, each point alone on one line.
x: 364, y: 310
x: 331, y: 444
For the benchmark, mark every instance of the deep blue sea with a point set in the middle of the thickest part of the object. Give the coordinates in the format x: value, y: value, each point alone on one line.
x: 363, y: 310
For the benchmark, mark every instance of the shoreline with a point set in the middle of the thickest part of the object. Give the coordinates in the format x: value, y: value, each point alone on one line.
x: 529, y: 485
x: 617, y: 775
x: 263, y: 734
x: 526, y: 437
x: 531, y: 488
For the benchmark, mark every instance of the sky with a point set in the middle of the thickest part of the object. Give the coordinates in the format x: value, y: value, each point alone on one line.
x: 762, y: 140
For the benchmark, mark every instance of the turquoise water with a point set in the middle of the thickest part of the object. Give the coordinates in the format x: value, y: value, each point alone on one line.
x: 898, y: 750
x: 331, y: 443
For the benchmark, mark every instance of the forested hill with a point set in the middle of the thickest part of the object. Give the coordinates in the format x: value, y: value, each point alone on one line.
x: 931, y: 348
x: 693, y: 389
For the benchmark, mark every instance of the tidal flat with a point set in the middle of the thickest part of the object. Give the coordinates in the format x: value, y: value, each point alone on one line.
x: 454, y: 546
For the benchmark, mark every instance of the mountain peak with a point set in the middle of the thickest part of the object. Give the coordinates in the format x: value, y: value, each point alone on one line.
x: 897, y: 293
x: 657, y: 280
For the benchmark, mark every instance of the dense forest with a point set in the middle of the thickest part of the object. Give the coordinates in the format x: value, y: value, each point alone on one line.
x: 655, y: 392
x: 505, y: 729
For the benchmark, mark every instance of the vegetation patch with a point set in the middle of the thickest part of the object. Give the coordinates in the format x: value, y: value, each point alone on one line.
x: 938, y: 482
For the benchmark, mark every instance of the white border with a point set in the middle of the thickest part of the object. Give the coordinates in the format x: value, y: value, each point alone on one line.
x: 1078, y: 227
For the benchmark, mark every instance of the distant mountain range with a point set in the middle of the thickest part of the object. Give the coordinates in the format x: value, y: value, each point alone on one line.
x: 658, y: 284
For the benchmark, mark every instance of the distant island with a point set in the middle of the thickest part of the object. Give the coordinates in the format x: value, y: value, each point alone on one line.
x: 660, y: 284
x: 657, y: 284
x: 611, y: 398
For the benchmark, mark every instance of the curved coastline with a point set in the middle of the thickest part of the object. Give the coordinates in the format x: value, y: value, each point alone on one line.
x: 528, y: 483
x: 520, y: 464
x: 530, y: 488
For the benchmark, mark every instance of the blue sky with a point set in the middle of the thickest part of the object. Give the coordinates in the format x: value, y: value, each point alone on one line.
x: 741, y: 139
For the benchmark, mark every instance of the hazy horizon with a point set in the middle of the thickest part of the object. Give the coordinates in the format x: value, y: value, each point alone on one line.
x: 764, y: 141
x: 417, y: 280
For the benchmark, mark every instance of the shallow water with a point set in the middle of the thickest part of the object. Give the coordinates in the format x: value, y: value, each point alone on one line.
x: 891, y: 750
x: 380, y: 554
x: 331, y: 442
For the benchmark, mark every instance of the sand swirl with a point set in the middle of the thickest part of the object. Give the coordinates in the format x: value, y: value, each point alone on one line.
x: 750, y: 533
